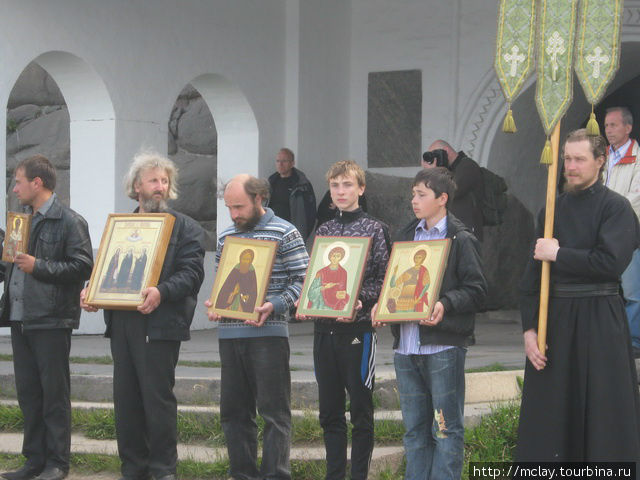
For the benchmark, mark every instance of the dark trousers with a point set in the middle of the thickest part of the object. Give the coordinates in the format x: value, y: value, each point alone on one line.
x: 346, y: 362
x: 255, y: 372
x: 41, y: 366
x: 145, y: 406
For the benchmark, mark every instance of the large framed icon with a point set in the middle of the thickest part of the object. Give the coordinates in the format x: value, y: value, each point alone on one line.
x: 334, y: 276
x: 16, y: 239
x: 413, y: 279
x: 242, y: 277
x: 129, y: 259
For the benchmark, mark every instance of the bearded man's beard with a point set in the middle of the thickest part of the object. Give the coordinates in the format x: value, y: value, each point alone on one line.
x: 154, y: 205
x: 248, y: 224
x: 570, y: 189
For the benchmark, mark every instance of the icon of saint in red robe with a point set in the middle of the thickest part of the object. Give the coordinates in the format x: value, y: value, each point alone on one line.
x: 328, y: 290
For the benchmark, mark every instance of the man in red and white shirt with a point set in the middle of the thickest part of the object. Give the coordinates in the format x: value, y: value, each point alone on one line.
x: 622, y: 175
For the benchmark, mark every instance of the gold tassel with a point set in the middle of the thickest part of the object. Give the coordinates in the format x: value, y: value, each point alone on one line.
x: 509, y: 125
x: 545, y: 158
x: 593, y: 129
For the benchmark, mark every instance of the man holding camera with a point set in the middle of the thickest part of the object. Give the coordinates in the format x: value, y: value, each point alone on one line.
x: 467, y: 203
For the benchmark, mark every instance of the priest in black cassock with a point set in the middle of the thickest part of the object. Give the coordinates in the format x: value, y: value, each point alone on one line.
x: 580, y: 400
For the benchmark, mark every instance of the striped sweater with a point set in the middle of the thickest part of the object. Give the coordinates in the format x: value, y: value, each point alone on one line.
x: 286, y: 279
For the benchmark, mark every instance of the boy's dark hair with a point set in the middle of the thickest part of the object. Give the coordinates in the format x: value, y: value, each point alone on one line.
x: 439, y: 179
x: 39, y: 166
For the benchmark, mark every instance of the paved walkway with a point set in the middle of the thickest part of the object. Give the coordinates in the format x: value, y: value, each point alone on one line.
x: 498, y: 340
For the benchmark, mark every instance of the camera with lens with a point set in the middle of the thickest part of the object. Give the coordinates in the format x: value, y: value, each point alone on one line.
x: 438, y: 155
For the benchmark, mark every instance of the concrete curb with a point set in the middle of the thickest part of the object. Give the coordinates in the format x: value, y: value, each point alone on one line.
x: 480, y: 387
x: 12, y: 443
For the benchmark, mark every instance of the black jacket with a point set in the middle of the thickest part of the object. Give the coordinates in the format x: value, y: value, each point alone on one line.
x: 61, y: 244
x: 359, y: 224
x: 180, y: 280
x: 463, y: 290
x: 302, y: 203
x: 467, y: 201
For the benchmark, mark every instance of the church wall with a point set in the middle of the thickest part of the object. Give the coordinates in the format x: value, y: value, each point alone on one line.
x: 303, y: 68
x: 146, y: 53
x: 323, y: 88
x: 451, y: 42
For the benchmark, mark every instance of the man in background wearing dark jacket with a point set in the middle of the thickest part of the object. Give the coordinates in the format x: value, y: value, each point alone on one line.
x: 429, y: 356
x: 467, y: 204
x: 40, y: 304
x: 292, y: 196
x: 145, y: 343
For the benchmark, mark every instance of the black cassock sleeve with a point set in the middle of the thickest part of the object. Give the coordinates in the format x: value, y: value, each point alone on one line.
x: 617, y: 238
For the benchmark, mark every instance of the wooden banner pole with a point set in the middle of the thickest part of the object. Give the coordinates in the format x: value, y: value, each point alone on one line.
x: 552, y: 185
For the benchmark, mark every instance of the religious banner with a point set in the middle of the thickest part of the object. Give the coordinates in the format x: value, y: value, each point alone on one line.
x: 514, y: 60
x: 554, y: 88
x: 597, y: 50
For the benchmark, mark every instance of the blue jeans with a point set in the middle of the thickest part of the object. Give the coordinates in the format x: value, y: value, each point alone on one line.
x: 631, y: 287
x: 255, y: 374
x: 431, y: 389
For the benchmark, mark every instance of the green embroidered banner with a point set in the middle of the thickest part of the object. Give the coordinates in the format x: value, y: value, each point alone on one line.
x: 597, y: 50
x: 515, y: 44
x: 554, y: 88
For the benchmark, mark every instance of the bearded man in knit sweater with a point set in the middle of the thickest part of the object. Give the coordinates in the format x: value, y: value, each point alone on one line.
x: 255, y: 354
x: 344, y: 349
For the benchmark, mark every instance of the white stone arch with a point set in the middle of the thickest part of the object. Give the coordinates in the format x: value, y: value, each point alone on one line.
x: 237, y: 130
x: 92, y: 136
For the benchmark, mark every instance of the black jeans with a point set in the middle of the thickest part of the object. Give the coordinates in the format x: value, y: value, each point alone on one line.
x: 255, y: 372
x: 41, y: 366
x: 346, y: 362
x: 145, y: 407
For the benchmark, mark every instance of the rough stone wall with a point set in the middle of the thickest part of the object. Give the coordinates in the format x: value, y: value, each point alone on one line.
x: 193, y: 146
x: 38, y: 122
x: 505, y: 248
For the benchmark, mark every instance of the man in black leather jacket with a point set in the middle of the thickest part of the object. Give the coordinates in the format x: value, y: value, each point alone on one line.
x: 145, y: 343
x: 40, y: 304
